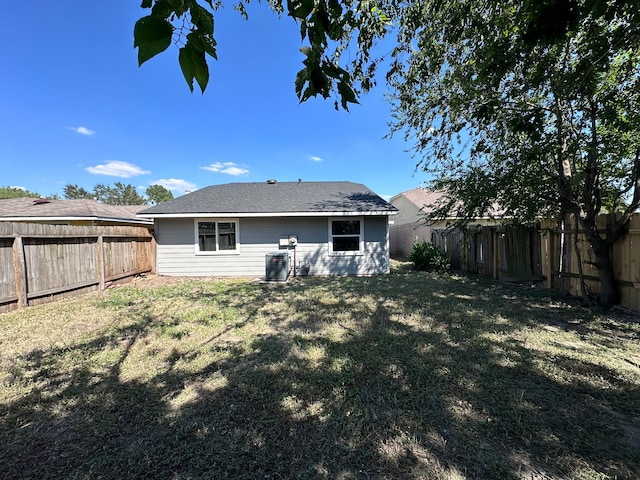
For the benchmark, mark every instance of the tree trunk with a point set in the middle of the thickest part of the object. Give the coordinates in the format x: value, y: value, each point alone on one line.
x: 584, y: 289
x: 609, y: 293
x: 602, y: 250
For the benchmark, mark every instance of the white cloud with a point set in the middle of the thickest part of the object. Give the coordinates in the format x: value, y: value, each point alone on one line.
x: 229, y: 168
x: 315, y: 159
x: 117, y: 168
x: 82, y: 130
x: 18, y: 187
x: 175, y: 185
x: 386, y: 197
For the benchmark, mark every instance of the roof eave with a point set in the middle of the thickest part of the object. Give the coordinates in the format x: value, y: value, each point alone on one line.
x: 267, y: 214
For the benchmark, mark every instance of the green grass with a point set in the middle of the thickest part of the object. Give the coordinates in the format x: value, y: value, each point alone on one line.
x: 410, y: 375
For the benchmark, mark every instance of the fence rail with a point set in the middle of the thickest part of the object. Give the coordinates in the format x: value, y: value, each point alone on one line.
x: 40, y: 263
x: 549, y: 255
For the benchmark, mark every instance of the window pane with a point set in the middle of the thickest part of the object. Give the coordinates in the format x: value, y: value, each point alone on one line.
x: 227, y: 227
x: 207, y: 243
x: 207, y: 236
x: 227, y: 235
x: 346, y: 244
x: 345, y: 227
x: 207, y: 228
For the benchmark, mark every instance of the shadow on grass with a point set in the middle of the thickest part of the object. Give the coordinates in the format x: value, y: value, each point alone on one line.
x: 401, y: 376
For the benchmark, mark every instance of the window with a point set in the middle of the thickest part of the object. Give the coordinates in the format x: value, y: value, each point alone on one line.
x: 216, y: 236
x: 345, y: 235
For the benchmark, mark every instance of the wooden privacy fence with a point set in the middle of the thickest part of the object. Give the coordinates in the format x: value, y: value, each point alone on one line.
x: 549, y: 255
x: 40, y: 263
x: 502, y: 252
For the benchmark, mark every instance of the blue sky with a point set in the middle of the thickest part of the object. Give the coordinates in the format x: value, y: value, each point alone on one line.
x: 77, y: 109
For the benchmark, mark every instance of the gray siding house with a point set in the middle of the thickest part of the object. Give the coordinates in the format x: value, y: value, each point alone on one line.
x: 325, y: 228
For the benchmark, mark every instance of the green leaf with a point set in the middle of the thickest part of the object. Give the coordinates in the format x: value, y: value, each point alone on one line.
x: 303, y: 30
x: 334, y: 71
x: 308, y: 93
x: 187, y: 66
x: 347, y: 95
x: 151, y: 35
x: 335, y: 8
x: 194, y: 65
x: 320, y: 82
x: 203, y: 43
x: 202, y: 18
x: 299, y: 9
x: 162, y: 9
x: 146, y: 4
x: 180, y: 7
x: 301, y: 78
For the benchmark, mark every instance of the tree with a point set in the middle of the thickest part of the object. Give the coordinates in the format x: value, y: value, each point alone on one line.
x: 74, y: 192
x: 540, y: 117
x: 528, y: 103
x: 158, y: 194
x: 119, y: 194
x: 16, y: 192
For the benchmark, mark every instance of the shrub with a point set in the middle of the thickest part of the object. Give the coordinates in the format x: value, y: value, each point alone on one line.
x: 428, y: 257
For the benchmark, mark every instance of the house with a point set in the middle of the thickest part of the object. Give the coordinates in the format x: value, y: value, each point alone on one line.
x: 410, y: 223
x: 323, y: 228
x: 70, y: 212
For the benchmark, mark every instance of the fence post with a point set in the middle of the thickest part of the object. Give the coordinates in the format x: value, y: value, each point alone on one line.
x: 496, y: 255
x: 20, y: 272
x: 551, y: 249
x: 100, y: 260
x: 464, y: 260
x: 151, y: 254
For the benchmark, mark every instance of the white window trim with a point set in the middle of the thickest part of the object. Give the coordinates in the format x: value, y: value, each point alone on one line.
x: 217, y: 251
x: 360, y: 251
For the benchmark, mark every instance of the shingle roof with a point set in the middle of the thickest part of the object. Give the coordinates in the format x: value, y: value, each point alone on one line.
x: 421, y: 197
x: 15, y: 208
x: 426, y: 199
x: 274, y: 198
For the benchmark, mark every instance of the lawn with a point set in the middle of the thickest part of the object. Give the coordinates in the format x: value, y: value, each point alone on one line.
x: 410, y: 375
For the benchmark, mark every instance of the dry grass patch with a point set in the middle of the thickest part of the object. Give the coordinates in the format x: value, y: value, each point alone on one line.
x: 402, y: 376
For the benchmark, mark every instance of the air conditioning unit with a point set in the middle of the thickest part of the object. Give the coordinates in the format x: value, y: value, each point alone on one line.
x: 277, y: 267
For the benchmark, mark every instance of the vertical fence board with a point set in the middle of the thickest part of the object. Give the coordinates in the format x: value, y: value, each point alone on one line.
x: 19, y: 268
x: 100, y: 261
x: 7, y: 272
x: 487, y: 250
x: 39, y: 262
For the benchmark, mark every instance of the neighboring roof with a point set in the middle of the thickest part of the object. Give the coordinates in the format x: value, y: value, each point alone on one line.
x: 421, y: 197
x: 275, y: 198
x: 424, y: 199
x: 16, y: 209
